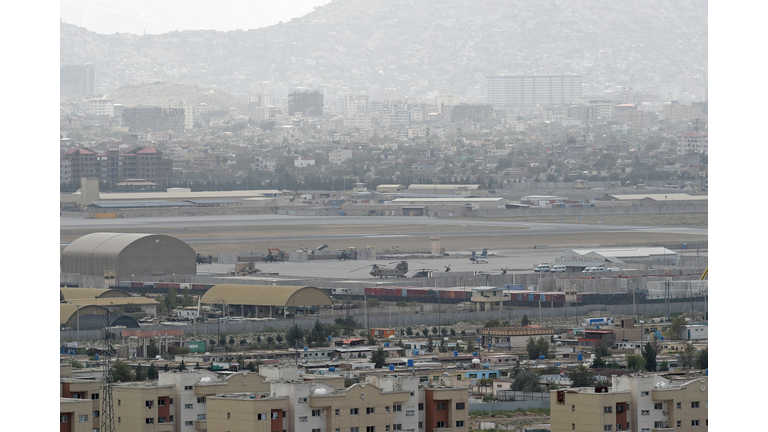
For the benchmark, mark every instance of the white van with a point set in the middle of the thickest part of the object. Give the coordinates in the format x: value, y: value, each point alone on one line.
x: 541, y: 268
x: 557, y: 269
x: 593, y: 270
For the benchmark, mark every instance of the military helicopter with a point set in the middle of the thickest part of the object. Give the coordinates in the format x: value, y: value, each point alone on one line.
x: 347, y: 254
x: 201, y: 259
x: 447, y: 268
x: 423, y: 273
x: 479, y: 259
x: 277, y: 256
x: 398, y: 270
x: 503, y: 270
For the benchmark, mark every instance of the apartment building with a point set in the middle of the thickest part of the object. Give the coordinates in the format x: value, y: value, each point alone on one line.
x: 634, y: 402
x: 101, y: 107
x: 75, y: 415
x: 511, y: 91
x: 337, y: 156
x: 146, y: 163
x: 444, y: 408
x: 251, y: 412
x: 693, y: 142
x: 65, y: 171
x: 143, y: 407
x: 678, y: 112
x: 83, y: 163
x: 193, y: 388
x: 87, y: 390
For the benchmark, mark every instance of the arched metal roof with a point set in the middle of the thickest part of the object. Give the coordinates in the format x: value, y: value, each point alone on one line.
x: 92, y: 293
x: 69, y: 312
x: 266, y: 295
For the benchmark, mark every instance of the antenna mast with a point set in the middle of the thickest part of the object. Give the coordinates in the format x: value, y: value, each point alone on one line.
x: 107, y: 407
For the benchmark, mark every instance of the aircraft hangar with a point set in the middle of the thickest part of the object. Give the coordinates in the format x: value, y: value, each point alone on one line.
x: 264, y: 301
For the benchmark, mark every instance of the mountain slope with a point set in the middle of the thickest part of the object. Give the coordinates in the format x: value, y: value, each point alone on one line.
x: 415, y: 47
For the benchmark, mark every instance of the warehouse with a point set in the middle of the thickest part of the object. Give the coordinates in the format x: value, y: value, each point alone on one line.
x: 128, y: 255
x: 265, y: 301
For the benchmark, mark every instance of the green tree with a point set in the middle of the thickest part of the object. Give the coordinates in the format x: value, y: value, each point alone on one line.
x: 689, y: 357
x: 525, y: 321
x: 530, y: 346
x: 664, y: 366
x: 409, y: 331
x: 434, y: 330
x: 379, y: 357
x: 543, y: 346
x: 526, y: 381
x: 197, y: 365
x: 182, y: 366
x: 444, y: 331
x: 279, y: 338
x: 442, y: 347
x: 139, y: 374
x: 222, y: 340
x: 471, y: 346
x: 121, y: 371
x: 635, y: 362
x: 430, y: 346
x: 231, y: 340
x: 581, y: 377
x: 703, y: 358
x: 294, y: 336
x: 650, y: 351
x: 425, y: 332
x: 152, y: 372
x: 453, y: 332
x: 166, y: 368
x: 152, y: 350
x: 602, y: 350
x: 598, y: 362
x: 677, y: 324
x: 492, y: 323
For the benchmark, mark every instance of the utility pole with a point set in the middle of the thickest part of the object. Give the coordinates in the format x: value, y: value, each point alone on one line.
x: 107, y: 407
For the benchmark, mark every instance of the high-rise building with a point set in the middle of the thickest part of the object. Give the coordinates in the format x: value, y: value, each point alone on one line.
x: 77, y: 81
x: 310, y: 103
x: 513, y: 91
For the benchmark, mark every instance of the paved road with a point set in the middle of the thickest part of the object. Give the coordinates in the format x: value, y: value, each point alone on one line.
x: 528, y: 228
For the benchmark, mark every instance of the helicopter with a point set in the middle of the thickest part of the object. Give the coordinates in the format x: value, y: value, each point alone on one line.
x: 447, y: 268
x: 398, y: 270
x: 503, y: 270
x: 349, y: 253
x: 201, y: 259
x: 272, y: 257
x: 479, y: 259
x: 423, y: 273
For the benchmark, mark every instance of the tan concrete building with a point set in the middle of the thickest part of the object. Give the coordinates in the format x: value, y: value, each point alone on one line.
x: 444, y: 408
x: 143, y: 407
x: 585, y: 409
x: 75, y: 415
x: 251, y: 412
x: 86, y: 390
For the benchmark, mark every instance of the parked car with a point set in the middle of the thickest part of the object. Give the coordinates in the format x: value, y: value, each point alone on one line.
x: 541, y: 268
x: 557, y: 269
x: 593, y: 270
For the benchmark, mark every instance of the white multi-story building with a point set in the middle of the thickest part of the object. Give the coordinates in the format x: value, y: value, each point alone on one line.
x: 301, y: 162
x: 693, y: 142
x: 359, y: 121
x: 337, y: 156
x: 101, y: 107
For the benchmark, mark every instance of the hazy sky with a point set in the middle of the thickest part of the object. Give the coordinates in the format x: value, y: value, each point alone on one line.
x: 154, y: 17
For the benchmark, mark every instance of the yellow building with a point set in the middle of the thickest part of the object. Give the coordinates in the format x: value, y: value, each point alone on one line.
x: 251, y: 412
x: 143, y: 407
x: 584, y: 409
x: 86, y: 390
x: 75, y: 415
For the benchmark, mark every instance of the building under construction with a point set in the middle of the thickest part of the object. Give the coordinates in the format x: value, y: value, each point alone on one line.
x: 475, y: 112
x: 309, y: 102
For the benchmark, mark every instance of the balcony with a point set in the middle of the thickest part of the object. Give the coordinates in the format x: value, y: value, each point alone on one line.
x: 201, y: 425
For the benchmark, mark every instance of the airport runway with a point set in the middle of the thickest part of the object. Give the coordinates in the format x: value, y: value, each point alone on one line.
x: 203, y: 222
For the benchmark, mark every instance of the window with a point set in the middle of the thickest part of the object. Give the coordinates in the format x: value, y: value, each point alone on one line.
x: 608, y: 428
x: 573, y: 408
x: 302, y: 400
x: 645, y: 430
x: 370, y: 410
x: 353, y: 411
x: 370, y: 429
x: 397, y: 408
x: 679, y: 405
x: 95, y: 414
x: 386, y: 428
x: 386, y: 409
x: 441, y: 406
x: 421, y: 407
x: 619, y: 427
x: 83, y: 418
x: 645, y: 412
x: 149, y: 420
x: 607, y: 409
x: 460, y: 405
x: 679, y: 423
x: 64, y: 419
x: 337, y: 412
x: 694, y: 404
x: 658, y: 424
x: 261, y: 416
x: 643, y: 393
x: 694, y: 422
x: 189, y: 423
x: 201, y: 399
x: 187, y: 406
x: 658, y: 406
x: 201, y: 417
x: 187, y: 387
x: 316, y: 413
x: 95, y: 396
x: 170, y: 401
x: 315, y: 430
x: 397, y: 427
x: 421, y: 425
x: 302, y: 419
x: 354, y: 429
x: 275, y: 415
x: 149, y: 404
x: 441, y: 424
x: 118, y: 402
x: 573, y: 426
x: 459, y: 423
x: 410, y: 413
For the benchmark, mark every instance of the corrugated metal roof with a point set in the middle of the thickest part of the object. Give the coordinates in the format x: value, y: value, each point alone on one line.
x: 139, y: 204
x: 91, y: 293
x: 68, y: 312
x: 266, y: 295
x: 183, y: 194
x: 116, y: 301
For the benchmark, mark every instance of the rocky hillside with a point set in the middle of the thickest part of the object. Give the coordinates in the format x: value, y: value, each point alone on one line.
x: 415, y: 47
